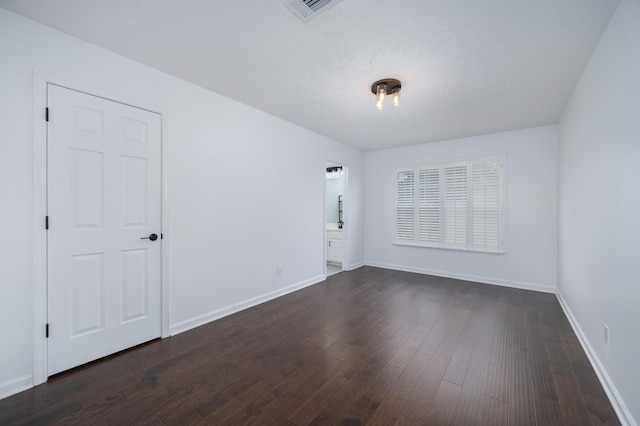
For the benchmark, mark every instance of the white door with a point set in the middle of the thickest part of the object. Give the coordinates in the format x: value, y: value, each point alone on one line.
x: 103, y: 197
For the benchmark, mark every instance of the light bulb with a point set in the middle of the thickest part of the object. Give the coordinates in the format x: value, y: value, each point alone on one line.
x: 380, y: 95
x: 382, y: 92
x: 396, y: 96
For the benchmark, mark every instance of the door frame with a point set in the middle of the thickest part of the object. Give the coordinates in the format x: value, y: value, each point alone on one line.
x: 39, y: 277
x: 345, y: 227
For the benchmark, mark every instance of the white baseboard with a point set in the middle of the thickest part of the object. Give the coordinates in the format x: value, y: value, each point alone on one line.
x: 618, y: 404
x: 223, y: 312
x: 354, y: 266
x: 14, y: 386
x: 476, y: 278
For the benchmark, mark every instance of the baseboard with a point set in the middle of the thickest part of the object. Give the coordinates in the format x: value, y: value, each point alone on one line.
x: 223, y: 312
x: 14, y: 386
x: 616, y: 400
x: 476, y: 278
x: 354, y: 266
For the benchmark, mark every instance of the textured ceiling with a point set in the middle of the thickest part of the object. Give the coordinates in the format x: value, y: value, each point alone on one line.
x: 467, y: 67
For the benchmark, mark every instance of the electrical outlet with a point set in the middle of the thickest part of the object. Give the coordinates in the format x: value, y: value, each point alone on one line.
x: 606, y: 335
x: 279, y: 270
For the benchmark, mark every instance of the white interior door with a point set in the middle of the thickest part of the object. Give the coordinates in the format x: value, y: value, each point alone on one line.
x: 103, y: 197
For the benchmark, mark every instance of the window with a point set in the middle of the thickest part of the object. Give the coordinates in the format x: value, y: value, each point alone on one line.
x: 454, y: 205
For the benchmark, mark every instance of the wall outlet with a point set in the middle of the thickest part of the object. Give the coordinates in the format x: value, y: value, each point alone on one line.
x: 279, y: 270
x: 606, y: 335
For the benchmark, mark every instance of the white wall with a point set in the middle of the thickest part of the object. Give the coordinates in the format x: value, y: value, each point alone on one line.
x: 532, y: 218
x: 232, y: 216
x: 599, y: 154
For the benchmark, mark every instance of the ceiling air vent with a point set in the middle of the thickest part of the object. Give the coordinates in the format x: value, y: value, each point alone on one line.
x: 306, y: 10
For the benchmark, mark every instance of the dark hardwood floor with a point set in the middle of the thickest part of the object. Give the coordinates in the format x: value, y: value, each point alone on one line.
x: 371, y: 346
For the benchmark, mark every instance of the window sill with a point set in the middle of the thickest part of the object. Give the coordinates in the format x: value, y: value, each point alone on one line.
x: 411, y: 244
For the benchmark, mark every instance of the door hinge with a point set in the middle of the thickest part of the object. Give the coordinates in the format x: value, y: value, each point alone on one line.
x: 46, y: 330
x: 161, y: 236
x: 46, y: 222
x: 46, y: 114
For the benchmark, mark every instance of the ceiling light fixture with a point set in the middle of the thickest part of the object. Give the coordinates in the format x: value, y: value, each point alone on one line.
x: 383, y: 88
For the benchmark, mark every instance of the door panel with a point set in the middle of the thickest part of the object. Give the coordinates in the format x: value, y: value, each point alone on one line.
x: 134, y: 285
x: 87, y: 188
x: 134, y: 190
x: 103, y: 196
x: 86, y: 291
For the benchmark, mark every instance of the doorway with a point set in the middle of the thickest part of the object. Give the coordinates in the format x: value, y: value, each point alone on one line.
x: 335, y: 225
x: 103, y: 210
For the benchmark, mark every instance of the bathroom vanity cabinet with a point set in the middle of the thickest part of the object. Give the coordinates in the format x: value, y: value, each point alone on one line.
x: 334, y: 246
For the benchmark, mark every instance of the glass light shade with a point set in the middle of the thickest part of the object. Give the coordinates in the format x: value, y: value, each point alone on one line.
x: 382, y: 92
x: 396, y: 96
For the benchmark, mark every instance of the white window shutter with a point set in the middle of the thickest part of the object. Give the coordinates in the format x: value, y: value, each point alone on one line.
x: 452, y: 204
x: 429, y: 206
x: 486, y: 205
x: 455, y: 205
x: 405, y: 210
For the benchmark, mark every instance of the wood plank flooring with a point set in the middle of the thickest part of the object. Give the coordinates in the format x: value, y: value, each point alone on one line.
x: 371, y: 346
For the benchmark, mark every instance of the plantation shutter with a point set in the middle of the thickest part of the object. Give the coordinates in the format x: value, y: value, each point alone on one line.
x: 429, y: 206
x: 451, y: 204
x: 405, y: 210
x: 455, y: 205
x: 485, y: 207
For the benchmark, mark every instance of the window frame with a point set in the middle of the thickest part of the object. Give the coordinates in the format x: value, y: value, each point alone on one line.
x: 471, y: 195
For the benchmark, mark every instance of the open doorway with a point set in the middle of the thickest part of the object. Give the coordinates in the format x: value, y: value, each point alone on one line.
x: 335, y: 203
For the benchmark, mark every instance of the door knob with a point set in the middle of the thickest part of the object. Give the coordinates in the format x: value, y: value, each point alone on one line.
x: 151, y: 237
